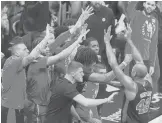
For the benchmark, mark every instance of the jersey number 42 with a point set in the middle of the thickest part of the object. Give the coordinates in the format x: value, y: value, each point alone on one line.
x: 143, y: 106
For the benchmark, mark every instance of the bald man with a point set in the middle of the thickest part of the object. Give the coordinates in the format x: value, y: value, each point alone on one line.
x: 138, y: 88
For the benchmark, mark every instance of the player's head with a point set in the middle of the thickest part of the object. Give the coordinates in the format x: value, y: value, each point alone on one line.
x: 139, y: 71
x: 99, y: 68
x: 18, y: 47
x: 149, y: 6
x: 86, y: 56
x: 93, y: 44
x: 75, y: 69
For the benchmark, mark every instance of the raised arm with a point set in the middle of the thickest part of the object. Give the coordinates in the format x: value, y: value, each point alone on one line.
x: 66, y: 52
x: 64, y: 36
x: 106, y: 78
x: 36, y: 51
x: 135, y: 53
x: 125, y: 80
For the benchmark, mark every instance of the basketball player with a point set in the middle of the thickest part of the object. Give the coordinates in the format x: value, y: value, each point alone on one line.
x: 138, y: 90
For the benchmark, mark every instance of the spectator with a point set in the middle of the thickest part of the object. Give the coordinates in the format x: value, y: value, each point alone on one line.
x: 14, y: 80
x: 5, y: 30
x: 146, y: 38
x: 39, y: 78
x: 65, y: 92
x: 102, y: 18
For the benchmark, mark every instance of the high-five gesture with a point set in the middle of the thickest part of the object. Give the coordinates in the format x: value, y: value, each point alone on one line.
x: 128, y: 58
x: 107, y: 35
x: 128, y: 32
x: 82, y: 35
x: 84, y: 16
x: 49, y: 33
x: 111, y: 97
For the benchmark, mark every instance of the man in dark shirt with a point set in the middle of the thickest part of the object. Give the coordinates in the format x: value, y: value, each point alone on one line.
x: 64, y: 92
x: 38, y: 77
x: 102, y: 18
x: 137, y: 89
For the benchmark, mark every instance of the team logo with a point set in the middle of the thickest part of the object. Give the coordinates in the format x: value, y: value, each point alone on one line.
x: 148, y: 29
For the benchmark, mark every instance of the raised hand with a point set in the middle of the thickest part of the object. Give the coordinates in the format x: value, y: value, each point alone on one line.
x: 111, y: 97
x: 151, y: 70
x: 84, y: 16
x: 82, y: 35
x: 84, y: 28
x: 107, y: 35
x: 128, y: 33
x: 49, y: 34
x: 128, y: 58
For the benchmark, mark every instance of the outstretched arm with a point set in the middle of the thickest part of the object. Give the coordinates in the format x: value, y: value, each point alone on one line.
x: 125, y: 80
x: 36, y: 51
x: 106, y: 78
x: 66, y: 52
x: 135, y: 53
x: 87, y: 102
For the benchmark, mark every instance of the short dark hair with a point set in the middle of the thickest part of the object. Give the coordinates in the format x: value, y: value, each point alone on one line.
x: 86, y: 56
x: 73, y: 66
x: 139, y: 5
x: 88, y: 41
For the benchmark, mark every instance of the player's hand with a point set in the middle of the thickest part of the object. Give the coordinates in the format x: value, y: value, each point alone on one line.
x: 128, y: 58
x: 151, y: 71
x: 107, y: 35
x: 82, y: 35
x: 111, y: 97
x: 83, y: 29
x: 84, y: 16
x: 49, y: 34
x: 128, y: 33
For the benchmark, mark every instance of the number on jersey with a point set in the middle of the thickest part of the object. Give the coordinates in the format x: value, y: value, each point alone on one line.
x: 143, y: 106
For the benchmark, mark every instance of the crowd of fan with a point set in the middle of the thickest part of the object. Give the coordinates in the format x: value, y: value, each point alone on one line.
x: 37, y: 53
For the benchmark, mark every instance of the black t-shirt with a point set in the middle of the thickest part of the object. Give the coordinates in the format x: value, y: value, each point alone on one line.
x: 98, y: 22
x: 87, y: 73
x: 60, y: 102
x: 137, y: 110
